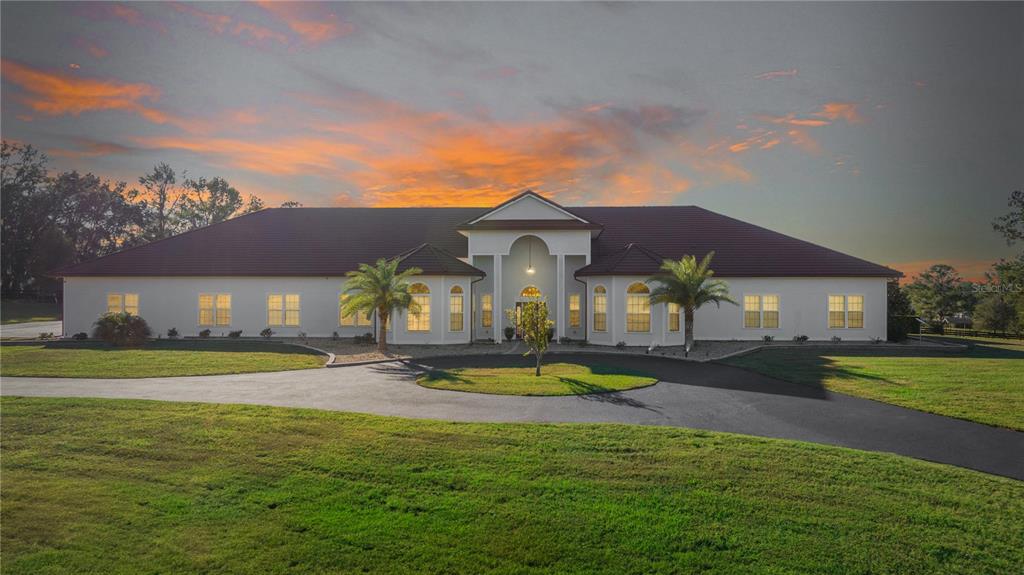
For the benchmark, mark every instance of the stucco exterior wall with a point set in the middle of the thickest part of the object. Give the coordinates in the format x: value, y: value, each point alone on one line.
x: 173, y: 302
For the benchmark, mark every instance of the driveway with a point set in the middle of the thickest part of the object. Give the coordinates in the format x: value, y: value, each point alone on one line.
x: 31, y: 329
x: 705, y: 396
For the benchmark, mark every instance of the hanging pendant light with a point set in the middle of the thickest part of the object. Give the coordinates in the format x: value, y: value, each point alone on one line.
x: 530, y: 270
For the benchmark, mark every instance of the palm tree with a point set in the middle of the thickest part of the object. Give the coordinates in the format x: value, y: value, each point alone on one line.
x: 689, y: 285
x: 379, y: 288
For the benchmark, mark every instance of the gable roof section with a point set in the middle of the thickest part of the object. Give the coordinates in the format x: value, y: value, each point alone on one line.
x: 434, y: 261
x: 332, y: 241
x: 524, y: 196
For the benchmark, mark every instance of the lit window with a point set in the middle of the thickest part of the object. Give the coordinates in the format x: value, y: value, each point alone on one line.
x: 455, y: 315
x: 836, y: 311
x: 530, y: 291
x: 487, y: 309
x: 205, y: 309
x: 275, y: 309
x: 752, y: 311
x: 574, y: 310
x: 344, y: 320
x: 673, y: 317
x: 291, y: 310
x: 600, y: 309
x: 419, y: 321
x: 638, y: 308
x: 855, y: 311
x: 770, y: 310
x: 123, y: 302
x: 215, y: 309
x: 115, y: 303
x: 360, y: 318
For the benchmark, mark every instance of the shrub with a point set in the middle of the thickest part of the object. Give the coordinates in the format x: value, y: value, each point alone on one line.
x: 121, y: 329
x: 768, y: 338
x: 898, y: 327
x: 836, y: 339
x: 301, y: 335
x: 46, y: 335
x: 551, y: 333
x: 876, y: 340
x: 510, y: 332
x: 267, y: 333
x: 235, y: 334
x: 621, y: 345
x: 172, y: 333
x: 80, y: 336
x: 800, y: 338
x: 335, y: 336
x: 205, y: 333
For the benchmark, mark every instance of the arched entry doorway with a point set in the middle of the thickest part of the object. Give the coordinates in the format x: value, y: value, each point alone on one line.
x: 530, y: 292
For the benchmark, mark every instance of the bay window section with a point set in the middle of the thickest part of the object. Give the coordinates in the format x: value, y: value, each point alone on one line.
x: 455, y: 309
x: 419, y: 320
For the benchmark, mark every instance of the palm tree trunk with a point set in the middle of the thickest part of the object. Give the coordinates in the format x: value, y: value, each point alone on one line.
x: 689, y: 328
x: 382, y: 331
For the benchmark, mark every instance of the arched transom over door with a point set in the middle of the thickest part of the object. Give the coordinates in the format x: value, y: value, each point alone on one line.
x: 530, y: 291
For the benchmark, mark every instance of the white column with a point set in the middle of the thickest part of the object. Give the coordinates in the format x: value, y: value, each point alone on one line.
x: 560, y: 321
x: 497, y: 310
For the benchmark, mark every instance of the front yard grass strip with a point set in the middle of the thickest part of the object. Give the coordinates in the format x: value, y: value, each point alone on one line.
x: 555, y: 379
x: 114, y: 486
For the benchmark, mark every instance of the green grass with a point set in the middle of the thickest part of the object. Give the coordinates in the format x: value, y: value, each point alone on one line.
x: 155, y: 359
x: 22, y: 311
x: 984, y: 384
x: 104, y: 486
x: 555, y: 379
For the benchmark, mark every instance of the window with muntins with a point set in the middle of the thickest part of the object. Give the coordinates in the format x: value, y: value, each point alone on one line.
x: 123, y: 302
x: 455, y: 313
x: 215, y: 309
x: 638, y: 308
x: 836, y: 311
x: 600, y: 309
x: 673, y: 316
x: 770, y: 311
x: 419, y: 321
x: 854, y: 311
x: 574, y: 310
x: 360, y: 318
x: 284, y: 309
x: 486, y: 310
x: 751, y: 311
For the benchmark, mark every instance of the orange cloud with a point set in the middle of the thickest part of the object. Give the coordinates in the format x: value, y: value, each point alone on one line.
x: 840, y: 110
x: 303, y: 19
x: 90, y: 149
x: 94, y: 50
x: 122, y: 12
x: 58, y: 94
x: 801, y: 139
x: 969, y: 269
x: 776, y: 74
x: 222, y: 23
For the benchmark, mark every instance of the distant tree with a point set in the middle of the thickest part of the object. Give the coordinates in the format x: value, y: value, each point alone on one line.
x: 900, y: 313
x: 25, y: 217
x: 939, y: 292
x: 382, y: 289
x: 690, y: 286
x: 535, y: 326
x: 1011, y: 225
x: 96, y: 217
x: 291, y: 204
x: 996, y: 312
x: 162, y: 196
x: 211, y: 201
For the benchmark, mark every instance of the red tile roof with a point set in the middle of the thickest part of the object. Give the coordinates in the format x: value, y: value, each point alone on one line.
x: 332, y: 241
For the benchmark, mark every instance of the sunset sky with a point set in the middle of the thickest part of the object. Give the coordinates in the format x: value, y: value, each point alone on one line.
x: 891, y: 132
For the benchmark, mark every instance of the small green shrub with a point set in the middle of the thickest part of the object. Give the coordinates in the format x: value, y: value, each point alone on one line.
x: 800, y: 338
x: 768, y: 338
x: 80, y: 336
x: 121, y: 329
x: 267, y: 333
x: 365, y: 338
x: 621, y: 345
x: 836, y: 339
x: 172, y: 333
x: 235, y: 334
x: 510, y: 332
x: 204, y: 334
x: 46, y: 335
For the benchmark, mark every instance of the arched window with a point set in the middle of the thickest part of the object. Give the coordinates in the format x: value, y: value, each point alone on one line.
x: 638, y: 308
x: 600, y: 309
x: 455, y: 314
x: 530, y: 291
x: 420, y: 320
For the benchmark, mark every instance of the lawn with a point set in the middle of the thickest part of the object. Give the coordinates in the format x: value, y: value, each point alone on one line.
x: 113, y: 486
x: 555, y: 379
x: 155, y: 359
x: 984, y: 384
x: 21, y: 311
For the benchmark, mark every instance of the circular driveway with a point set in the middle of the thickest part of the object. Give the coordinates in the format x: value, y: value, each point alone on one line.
x: 698, y: 395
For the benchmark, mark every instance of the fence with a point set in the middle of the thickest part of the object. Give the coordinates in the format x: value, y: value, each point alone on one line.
x: 930, y: 329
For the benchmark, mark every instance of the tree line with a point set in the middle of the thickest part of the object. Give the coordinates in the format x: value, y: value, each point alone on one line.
x: 939, y: 293
x: 52, y: 220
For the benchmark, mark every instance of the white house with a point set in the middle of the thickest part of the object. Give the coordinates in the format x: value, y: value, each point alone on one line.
x: 284, y: 269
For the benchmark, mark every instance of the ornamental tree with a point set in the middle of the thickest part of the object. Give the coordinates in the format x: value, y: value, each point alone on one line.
x: 535, y: 325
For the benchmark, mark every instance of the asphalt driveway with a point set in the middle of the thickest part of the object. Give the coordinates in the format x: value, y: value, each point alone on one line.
x: 31, y: 329
x: 705, y: 396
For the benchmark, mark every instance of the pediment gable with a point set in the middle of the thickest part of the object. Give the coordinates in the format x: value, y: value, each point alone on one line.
x: 528, y: 206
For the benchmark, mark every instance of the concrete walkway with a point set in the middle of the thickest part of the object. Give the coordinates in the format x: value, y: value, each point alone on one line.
x: 698, y: 395
x: 31, y: 329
